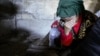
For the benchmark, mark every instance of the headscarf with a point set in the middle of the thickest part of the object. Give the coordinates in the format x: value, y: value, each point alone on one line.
x: 68, y: 8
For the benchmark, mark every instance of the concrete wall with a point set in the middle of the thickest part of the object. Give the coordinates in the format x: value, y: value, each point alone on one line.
x: 37, y: 15
x: 40, y: 9
x: 92, y: 5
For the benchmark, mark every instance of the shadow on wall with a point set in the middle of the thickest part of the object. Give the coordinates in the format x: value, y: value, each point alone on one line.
x: 7, y: 9
x: 11, y: 40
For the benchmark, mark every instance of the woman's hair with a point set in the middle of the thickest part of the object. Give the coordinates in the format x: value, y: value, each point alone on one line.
x: 7, y: 9
x: 90, y: 15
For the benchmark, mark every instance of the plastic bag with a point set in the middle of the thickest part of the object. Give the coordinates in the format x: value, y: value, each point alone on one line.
x: 54, y: 33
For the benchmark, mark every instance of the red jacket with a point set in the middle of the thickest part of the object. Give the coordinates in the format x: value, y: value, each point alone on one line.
x: 66, y: 40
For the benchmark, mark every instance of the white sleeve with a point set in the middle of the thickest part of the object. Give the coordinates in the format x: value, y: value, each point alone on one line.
x: 98, y: 13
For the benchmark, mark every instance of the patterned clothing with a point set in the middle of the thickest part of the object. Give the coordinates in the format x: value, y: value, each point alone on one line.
x: 91, y: 44
x: 79, y: 31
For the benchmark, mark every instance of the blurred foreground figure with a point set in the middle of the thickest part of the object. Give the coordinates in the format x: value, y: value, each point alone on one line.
x: 7, y: 9
x: 11, y: 40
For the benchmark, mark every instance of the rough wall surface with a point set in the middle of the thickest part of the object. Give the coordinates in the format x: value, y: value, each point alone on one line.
x: 37, y: 15
x: 92, y: 5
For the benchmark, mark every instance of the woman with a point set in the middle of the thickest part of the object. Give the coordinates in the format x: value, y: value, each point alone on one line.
x: 74, y: 25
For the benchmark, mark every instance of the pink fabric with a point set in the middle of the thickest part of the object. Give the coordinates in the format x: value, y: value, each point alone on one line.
x: 66, y: 40
x: 77, y: 25
x: 55, y: 23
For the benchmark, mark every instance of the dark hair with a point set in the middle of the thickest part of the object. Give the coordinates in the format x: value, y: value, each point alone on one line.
x: 7, y: 9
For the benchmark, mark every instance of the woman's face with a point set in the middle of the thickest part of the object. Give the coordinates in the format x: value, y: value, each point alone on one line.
x: 70, y: 21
